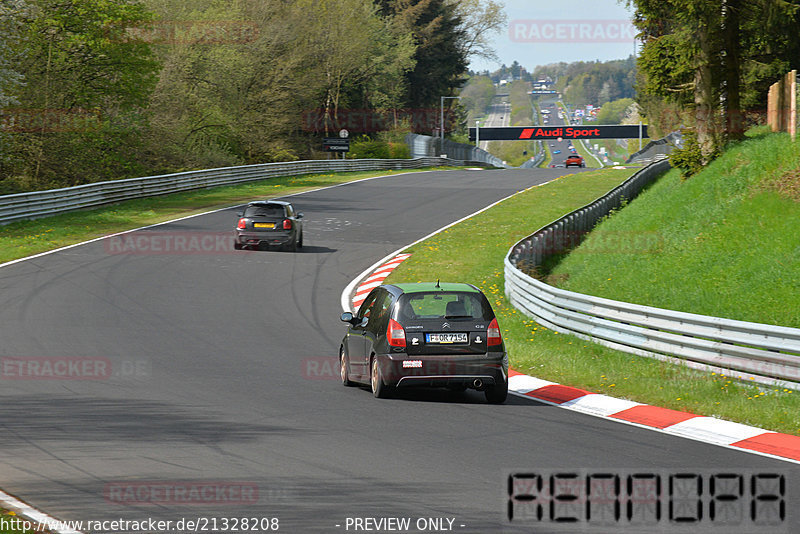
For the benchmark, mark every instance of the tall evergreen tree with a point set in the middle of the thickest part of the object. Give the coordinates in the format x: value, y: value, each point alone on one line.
x: 706, y: 56
x: 440, y: 58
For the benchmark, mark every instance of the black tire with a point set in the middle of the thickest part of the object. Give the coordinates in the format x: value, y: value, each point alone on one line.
x: 497, y: 394
x: 291, y: 246
x: 300, y: 243
x: 238, y: 246
x: 379, y: 389
x: 343, y: 372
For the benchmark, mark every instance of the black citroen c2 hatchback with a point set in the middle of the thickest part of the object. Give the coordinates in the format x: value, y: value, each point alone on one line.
x: 425, y: 335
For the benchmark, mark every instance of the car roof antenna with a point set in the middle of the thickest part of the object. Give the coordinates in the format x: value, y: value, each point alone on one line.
x: 437, y: 284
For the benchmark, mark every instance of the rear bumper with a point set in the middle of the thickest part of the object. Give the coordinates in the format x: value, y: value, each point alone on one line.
x: 441, y: 371
x: 263, y: 238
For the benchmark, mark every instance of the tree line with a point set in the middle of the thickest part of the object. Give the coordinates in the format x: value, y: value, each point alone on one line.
x: 591, y: 82
x: 95, y: 90
x: 707, y: 64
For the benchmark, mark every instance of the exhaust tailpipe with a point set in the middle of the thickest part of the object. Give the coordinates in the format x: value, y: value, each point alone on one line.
x: 477, y: 383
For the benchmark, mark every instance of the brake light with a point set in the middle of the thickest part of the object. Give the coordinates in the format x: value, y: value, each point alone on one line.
x: 493, y: 334
x: 242, y: 224
x: 395, y: 334
x: 287, y: 224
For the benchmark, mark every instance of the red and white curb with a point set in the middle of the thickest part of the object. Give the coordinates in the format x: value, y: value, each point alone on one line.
x: 683, y: 424
x: 376, y: 278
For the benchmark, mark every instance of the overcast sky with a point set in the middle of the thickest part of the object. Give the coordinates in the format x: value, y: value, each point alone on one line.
x: 541, y: 32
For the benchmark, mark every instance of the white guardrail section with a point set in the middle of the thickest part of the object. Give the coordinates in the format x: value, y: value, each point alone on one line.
x: 751, y: 351
x: 45, y: 203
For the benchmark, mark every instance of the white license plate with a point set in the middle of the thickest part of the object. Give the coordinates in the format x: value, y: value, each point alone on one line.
x: 412, y: 364
x: 447, y: 337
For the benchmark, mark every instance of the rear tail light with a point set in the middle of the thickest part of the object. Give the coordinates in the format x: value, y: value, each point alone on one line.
x: 242, y: 224
x: 493, y: 334
x: 287, y: 224
x: 395, y: 334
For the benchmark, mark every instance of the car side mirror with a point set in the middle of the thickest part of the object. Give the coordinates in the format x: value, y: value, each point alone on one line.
x: 300, y: 215
x: 347, y: 317
x: 239, y: 213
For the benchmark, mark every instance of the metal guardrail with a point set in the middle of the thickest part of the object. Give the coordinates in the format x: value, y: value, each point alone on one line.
x: 658, y: 149
x: 425, y: 145
x: 762, y: 353
x: 536, y: 161
x: 45, y: 203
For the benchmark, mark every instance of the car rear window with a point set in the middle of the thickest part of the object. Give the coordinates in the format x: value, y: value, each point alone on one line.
x: 444, y: 305
x: 269, y: 210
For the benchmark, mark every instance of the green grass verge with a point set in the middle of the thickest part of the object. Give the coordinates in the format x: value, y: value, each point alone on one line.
x: 25, y: 238
x: 591, y: 161
x: 538, y: 351
x: 537, y: 111
x: 619, y: 153
x: 722, y: 243
x: 548, y: 156
x: 515, y: 153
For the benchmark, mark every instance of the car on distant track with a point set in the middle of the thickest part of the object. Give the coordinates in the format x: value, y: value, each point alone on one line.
x: 556, y: 152
x: 575, y: 160
x: 425, y: 335
x: 269, y: 222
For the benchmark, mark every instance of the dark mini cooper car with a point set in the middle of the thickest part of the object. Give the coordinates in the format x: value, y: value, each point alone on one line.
x: 269, y: 222
x: 425, y: 335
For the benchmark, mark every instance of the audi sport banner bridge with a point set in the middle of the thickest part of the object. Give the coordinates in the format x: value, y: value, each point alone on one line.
x: 510, y: 133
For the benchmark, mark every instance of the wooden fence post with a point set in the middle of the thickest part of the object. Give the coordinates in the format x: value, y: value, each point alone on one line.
x: 791, y: 85
x: 772, y: 107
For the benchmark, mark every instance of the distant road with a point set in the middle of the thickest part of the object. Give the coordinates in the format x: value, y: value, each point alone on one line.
x: 554, y: 145
x: 499, y: 115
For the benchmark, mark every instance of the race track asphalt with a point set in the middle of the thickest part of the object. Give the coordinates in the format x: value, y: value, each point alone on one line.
x: 222, y: 373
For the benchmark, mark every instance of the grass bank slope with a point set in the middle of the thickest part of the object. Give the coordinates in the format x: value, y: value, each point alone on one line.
x: 725, y: 242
